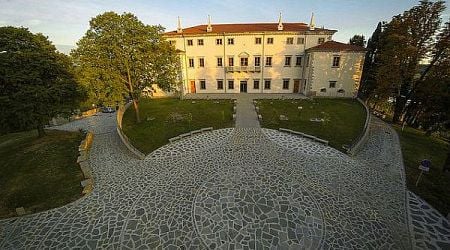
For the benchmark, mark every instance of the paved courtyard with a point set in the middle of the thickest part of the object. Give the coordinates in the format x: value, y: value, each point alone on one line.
x: 242, y: 188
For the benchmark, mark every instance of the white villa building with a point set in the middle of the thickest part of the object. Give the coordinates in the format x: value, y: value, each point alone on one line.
x: 266, y: 58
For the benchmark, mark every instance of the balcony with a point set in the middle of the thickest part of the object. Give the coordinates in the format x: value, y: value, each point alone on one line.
x: 243, y: 69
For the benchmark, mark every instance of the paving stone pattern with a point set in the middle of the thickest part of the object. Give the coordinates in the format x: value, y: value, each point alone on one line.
x: 246, y: 188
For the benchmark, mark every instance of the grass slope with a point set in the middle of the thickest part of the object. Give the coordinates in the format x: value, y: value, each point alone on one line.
x: 344, y: 118
x: 168, y: 117
x: 434, y: 186
x: 38, y: 173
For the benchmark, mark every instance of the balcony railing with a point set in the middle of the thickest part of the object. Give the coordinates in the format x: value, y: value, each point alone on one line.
x: 243, y: 69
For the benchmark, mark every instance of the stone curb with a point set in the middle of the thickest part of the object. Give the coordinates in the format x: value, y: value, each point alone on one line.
x: 355, y: 147
x: 300, y: 134
x: 138, y: 154
x: 198, y: 131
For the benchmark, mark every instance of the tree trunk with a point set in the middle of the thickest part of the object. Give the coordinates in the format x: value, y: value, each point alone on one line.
x: 446, y: 166
x: 398, y: 109
x: 40, y: 129
x: 136, y: 110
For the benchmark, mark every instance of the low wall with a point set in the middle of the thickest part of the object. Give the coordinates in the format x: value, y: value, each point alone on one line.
x: 134, y: 151
x: 83, y: 162
x: 362, y: 139
x: 61, y: 120
x: 316, y: 139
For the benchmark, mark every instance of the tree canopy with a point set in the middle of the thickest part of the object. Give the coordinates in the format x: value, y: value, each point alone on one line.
x: 36, y: 81
x: 408, y: 40
x: 119, y: 56
x: 359, y: 40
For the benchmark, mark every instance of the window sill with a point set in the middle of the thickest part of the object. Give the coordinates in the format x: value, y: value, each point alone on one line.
x: 287, y: 66
x: 335, y: 67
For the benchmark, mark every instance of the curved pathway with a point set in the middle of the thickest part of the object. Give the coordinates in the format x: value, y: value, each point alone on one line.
x: 231, y: 188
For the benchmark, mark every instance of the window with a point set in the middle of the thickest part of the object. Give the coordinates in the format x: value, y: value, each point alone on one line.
x: 285, y: 83
x: 190, y: 42
x: 270, y: 40
x: 267, y: 84
x: 200, y: 42
x: 191, y: 62
x: 290, y: 40
x: 300, y: 40
x: 256, y: 84
x: 268, y: 61
x: 298, y: 61
x: 307, y: 61
x: 321, y: 40
x: 323, y: 90
x: 332, y: 84
x: 258, y: 40
x: 230, y: 84
x: 341, y: 91
x: 336, y: 61
x: 219, y: 62
x: 219, y: 41
x: 230, y: 41
x: 201, y: 62
x: 257, y: 61
x: 230, y: 61
x: 219, y: 84
x: 244, y: 61
x: 287, y: 61
x: 172, y: 42
x: 202, y: 84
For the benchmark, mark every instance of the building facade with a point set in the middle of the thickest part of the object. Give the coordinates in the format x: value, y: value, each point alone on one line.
x: 266, y: 58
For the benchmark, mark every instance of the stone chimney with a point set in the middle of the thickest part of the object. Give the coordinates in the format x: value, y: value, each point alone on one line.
x: 312, y: 25
x: 179, y: 29
x: 209, y: 28
x: 280, y: 24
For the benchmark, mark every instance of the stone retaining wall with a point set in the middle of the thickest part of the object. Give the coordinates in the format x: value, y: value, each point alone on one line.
x: 122, y: 135
x: 361, y: 140
x: 83, y: 161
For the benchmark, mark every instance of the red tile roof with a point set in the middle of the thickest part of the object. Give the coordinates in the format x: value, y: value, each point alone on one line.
x: 336, y: 46
x: 245, y: 27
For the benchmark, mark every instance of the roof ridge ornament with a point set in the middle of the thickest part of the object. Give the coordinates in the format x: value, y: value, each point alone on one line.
x: 179, y: 29
x: 209, y: 27
x: 312, y: 25
x: 280, y: 24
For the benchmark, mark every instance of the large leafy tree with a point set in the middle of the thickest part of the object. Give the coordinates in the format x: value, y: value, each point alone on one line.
x: 406, y: 41
x: 36, y: 82
x: 119, y: 56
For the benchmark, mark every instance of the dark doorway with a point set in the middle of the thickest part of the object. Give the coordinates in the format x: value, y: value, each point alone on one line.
x: 243, y: 86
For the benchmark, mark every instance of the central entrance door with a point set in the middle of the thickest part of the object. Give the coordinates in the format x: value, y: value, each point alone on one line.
x: 243, y: 86
x: 296, y: 85
x: 192, y: 86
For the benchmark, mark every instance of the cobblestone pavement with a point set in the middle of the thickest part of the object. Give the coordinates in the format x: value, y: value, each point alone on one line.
x: 245, y: 188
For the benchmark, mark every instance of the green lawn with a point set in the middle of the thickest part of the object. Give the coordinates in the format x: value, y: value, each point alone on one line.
x: 434, y: 187
x: 38, y: 173
x: 168, y: 117
x: 344, y: 118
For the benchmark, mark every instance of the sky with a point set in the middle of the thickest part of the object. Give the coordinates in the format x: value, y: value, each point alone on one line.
x: 66, y: 21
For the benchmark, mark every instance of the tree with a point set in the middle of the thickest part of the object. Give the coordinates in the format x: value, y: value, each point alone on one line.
x: 368, y: 80
x: 119, y: 56
x: 359, y: 40
x: 406, y: 41
x: 36, y: 82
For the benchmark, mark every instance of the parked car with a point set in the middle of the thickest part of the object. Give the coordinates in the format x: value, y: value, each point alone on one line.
x: 108, y: 110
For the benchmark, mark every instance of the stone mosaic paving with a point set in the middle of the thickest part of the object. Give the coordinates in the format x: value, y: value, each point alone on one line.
x: 241, y: 188
x: 430, y: 229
